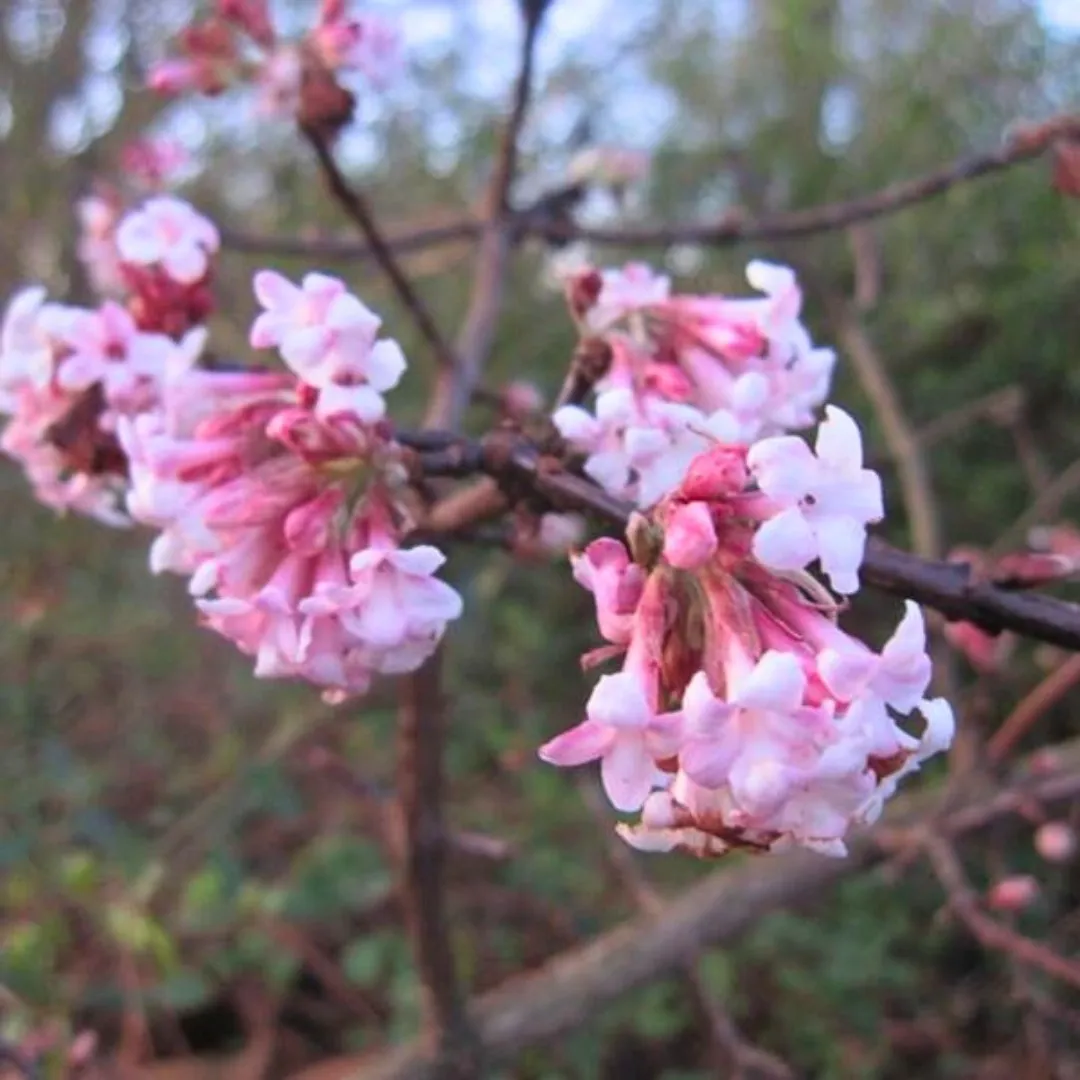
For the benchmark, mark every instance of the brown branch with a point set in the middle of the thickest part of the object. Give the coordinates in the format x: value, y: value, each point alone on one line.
x: 357, y: 209
x: 913, y: 475
x: 421, y: 734
x: 454, y: 386
x: 571, y: 989
x: 1046, y: 505
x: 1024, y: 144
x: 1045, y: 696
x: 326, y: 248
x: 950, y: 588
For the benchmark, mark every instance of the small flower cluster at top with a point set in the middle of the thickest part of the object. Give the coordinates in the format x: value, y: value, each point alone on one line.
x: 238, y: 43
x: 70, y: 375
x: 743, y: 716
x: 147, y: 166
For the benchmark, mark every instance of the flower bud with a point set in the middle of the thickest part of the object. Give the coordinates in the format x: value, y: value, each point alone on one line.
x: 690, y: 537
x: 1015, y: 893
x: 1055, y: 841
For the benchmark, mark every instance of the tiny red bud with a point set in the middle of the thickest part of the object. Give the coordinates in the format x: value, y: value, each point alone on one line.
x: 1015, y: 893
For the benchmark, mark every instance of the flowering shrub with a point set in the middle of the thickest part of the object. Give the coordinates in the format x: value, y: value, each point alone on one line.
x: 743, y: 716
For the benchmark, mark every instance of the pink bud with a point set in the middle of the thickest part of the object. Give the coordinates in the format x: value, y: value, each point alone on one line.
x: 1015, y: 893
x: 690, y: 537
x: 173, y: 77
x: 1055, y: 841
x: 719, y: 473
x: 1024, y: 570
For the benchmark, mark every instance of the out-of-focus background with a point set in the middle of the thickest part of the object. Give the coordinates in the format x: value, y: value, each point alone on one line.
x: 172, y: 829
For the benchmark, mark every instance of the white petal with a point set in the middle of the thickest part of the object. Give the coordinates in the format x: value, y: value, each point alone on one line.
x: 841, y: 544
x: 385, y: 365
x: 785, y: 542
x: 839, y: 443
x: 627, y: 774
x: 618, y: 700
x: 776, y: 684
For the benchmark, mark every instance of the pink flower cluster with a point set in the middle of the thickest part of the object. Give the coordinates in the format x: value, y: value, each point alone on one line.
x: 743, y: 716
x: 688, y: 370
x: 278, y: 494
x: 67, y: 376
x: 238, y: 43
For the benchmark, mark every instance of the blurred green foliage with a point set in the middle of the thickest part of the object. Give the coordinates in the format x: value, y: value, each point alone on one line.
x: 165, y: 828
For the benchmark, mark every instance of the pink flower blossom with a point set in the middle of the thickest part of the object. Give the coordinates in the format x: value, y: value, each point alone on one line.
x: 605, y: 569
x: 367, y: 44
x: 625, y: 291
x: 98, y: 216
x: 824, y: 501
x: 327, y: 336
x: 105, y: 347
x: 26, y: 348
x: 284, y: 516
x: 1055, y: 841
x: 168, y: 233
x: 1013, y: 894
x: 624, y: 732
x: 639, y: 446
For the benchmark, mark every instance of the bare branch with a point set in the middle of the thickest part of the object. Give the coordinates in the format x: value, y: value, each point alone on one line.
x: 1045, y: 696
x: 355, y: 206
x: 1024, y: 144
x: 950, y: 588
x: 454, y: 387
x: 422, y: 865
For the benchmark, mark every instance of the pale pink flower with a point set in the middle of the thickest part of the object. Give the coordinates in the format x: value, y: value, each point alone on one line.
x: 824, y: 500
x: 152, y: 161
x: 328, y: 338
x: 558, y: 533
x: 605, y: 569
x: 638, y: 446
x: 176, y: 76
x: 98, y: 217
x: 633, y: 288
x: 624, y: 732
x: 26, y: 347
x: 168, y: 233
x: 366, y: 43
x: 106, y: 347
x: 279, y: 81
x: 611, y: 166
x: 899, y: 676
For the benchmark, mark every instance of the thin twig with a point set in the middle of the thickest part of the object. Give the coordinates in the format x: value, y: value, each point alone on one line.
x: 422, y: 865
x: 356, y: 207
x: 1025, y: 144
x: 1047, y: 505
x: 1045, y: 696
x: 903, y: 444
x: 454, y: 386
x: 964, y: 902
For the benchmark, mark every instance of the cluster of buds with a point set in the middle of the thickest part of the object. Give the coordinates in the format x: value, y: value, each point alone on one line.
x: 743, y: 716
x: 687, y: 371
x: 239, y: 44
x: 70, y: 375
x: 282, y: 496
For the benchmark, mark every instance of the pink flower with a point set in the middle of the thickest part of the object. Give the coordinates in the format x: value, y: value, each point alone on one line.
x: 824, y: 501
x: 152, y: 161
x: 327, y: 336
x: 623, y: 731
x: 368, y: 44
x: 639, y: 446
x: 169, y: 233
x: 624, y: 291
x: 1055, y: 841
x: 26, y: 348
x: 690, y: 536
x: 176, y: 76
x: 899, y: 676
x: 96, y: 249
x: 106, y: 348
x: 605, y: 569
x: 284, y: 517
